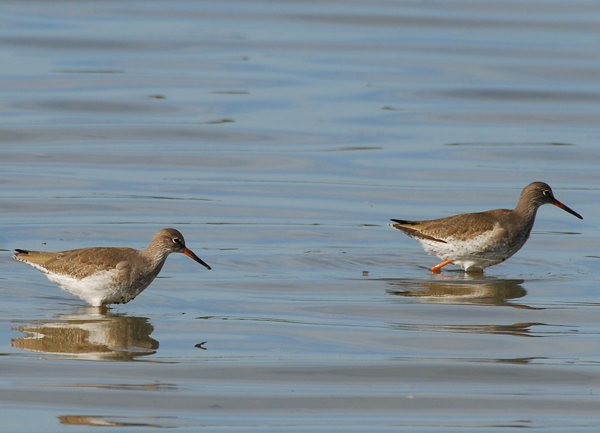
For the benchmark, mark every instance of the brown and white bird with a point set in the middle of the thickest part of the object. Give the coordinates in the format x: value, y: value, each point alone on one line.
x: 474, y: 241
x: 104, y: 275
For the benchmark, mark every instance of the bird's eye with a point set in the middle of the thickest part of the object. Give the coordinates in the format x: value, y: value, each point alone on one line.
x: 176, y: 240
x: 547, y: 193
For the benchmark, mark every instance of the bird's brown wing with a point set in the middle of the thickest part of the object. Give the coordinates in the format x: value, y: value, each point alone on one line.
x: 460, y: 227
x: 405, y: 226
x: 79, y: 263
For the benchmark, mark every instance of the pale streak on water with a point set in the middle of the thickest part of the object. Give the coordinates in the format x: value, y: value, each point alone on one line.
x: 280, y: 137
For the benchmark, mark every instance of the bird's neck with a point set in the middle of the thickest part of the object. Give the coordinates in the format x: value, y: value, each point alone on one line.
x: 526, y: 210
x: 156, y: 255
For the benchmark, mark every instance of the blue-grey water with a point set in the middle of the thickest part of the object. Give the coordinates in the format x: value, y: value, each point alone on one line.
x: 280, y: 138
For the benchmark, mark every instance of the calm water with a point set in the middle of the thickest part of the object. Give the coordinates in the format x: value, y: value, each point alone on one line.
x: 280, y: 138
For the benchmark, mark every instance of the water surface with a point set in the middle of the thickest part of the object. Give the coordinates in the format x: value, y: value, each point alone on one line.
x: 280, y: 138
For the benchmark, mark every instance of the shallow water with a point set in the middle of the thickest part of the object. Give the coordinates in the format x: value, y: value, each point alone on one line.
x: 280, y: 138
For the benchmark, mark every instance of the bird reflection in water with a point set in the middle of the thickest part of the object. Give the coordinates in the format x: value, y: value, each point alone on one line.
x: 93, y: 335
x: 527, y: 329
x: 107, y: 421
x: 467, y: 289
x: 464, y: 289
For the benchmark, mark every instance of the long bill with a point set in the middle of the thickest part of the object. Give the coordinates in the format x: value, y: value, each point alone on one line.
x: 190, y: 254
x: 566, y: 208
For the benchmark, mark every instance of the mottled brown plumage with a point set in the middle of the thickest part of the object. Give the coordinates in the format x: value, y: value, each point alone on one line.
x: 475, y: 241
x: 104, y: 275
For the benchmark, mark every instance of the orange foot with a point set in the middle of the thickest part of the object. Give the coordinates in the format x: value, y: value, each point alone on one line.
x: 436, y: 268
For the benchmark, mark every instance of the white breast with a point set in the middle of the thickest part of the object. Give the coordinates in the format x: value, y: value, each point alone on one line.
x: 475, y: 253
x: 95, y: 289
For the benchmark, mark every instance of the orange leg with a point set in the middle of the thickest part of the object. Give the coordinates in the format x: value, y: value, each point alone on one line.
x: 436, y: 268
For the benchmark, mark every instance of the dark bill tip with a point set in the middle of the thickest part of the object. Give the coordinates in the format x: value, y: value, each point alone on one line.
x: 567, y: 208
x: 190, y: 254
